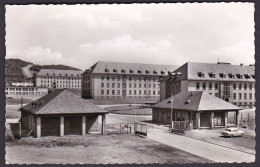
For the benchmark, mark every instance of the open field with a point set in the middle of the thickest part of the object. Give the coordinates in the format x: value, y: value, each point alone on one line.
x: 96, y: 149
x: 16, y: 101
x: 130, y: 110
x: 246, y: 143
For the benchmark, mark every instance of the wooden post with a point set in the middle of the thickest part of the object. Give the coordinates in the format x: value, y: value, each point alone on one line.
x: 198, y: 119
x: 237, y: 112
x: 62, y: 126
x: 83, y: 125
x: 103, y: 124
x: 212, y: 120
x: 226, y: 118
x: 38, y: 126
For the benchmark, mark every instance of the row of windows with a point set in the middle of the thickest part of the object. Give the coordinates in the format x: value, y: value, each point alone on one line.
x: 240, y: 96
x: 130, y: 92
x: 210, y: 86
x: 25, y: 93
x: 75, y: 82
x: 133, y: 71
x: 129, y: 85
x: 86, y: 85
x: 61, y: 86
x: 223, y: 75
x: 243, y: 104
x: 63, y: 75
x: 21, y: 89
x: 130, y: 78
x: 61, y: 78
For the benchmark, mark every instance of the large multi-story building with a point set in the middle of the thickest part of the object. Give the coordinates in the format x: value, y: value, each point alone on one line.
x: 232, y: 83
x: 59, y: 78
x: 21, y: 91
x: 109, y: 80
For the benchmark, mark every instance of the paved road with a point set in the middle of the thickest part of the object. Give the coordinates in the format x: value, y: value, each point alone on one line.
x: 207, y: 150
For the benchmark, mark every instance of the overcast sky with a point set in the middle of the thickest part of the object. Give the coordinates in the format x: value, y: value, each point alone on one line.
x: 80, y: 35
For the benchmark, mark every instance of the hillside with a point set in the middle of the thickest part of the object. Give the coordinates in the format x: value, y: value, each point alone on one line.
x: 22, y: 71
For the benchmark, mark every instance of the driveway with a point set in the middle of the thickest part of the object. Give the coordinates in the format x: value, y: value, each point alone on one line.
x: 207, y: 150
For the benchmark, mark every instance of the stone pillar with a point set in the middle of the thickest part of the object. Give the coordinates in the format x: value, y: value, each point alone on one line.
x: 62, y: 126
x: 38, y: 126
x: 103, y: 132
x: 212, y: 119
x: 198, y: 119
x: 83, y: 125
x: 226, y: 118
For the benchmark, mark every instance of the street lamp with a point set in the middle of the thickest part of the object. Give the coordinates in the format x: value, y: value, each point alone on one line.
x: 171, y: 101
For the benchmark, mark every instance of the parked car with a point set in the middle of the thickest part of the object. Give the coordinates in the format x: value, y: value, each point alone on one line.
x: 231, y: 132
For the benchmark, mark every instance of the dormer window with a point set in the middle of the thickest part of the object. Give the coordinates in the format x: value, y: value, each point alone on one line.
x: 154, y: 72
x: 239, y: 76
x: 106, y: 70
x: 139, y: 71
x: 247, y: 76
x: 212, y: 75
x: 47, y: 73
x: 222, y: 75
x: 162, y: 72
x: 72, y: 75
x: 123, y: 71
x: 253, y: 76
x: 115, y: 70
x: 66, y: 74
x: 77, y: 75
x: 53, y: 73
x: 201, y: 74
x: 131, y: 71
x: 59, y: 74
x: 147, y: 72
x: 230, y: 75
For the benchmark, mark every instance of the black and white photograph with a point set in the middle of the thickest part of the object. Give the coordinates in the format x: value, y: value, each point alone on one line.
x: 140, y: 83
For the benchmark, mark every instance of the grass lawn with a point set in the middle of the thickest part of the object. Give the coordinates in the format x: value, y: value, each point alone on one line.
x: 95, y: 149
x: 130, y: 110
x: 12, y: 111
x: 15, y: 101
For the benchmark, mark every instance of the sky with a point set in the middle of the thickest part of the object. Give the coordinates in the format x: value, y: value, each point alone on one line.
x: 172, y: 34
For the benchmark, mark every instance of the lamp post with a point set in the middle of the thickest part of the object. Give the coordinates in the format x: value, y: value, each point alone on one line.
x: 171, y: 101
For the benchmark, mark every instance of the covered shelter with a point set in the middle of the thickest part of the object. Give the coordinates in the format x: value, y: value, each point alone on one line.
x: 194, y: 110
x: 60, y: 113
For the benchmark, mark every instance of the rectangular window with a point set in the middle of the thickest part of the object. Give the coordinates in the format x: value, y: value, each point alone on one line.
x: 118, y: 85
x: 102, y: 77
x: 210, y: 86
x: 149, y: 85
x: 107, y: 85
x: 130, y: 85
x: 245, y: 96
x: 134, y: 92
x: 153, y: 85
x: 144, y: 85
x: 113, y: 85
x: 216, y: 94
x: 108, y: 78
x: 144, y: 78
x: 118, y: 78
x: 239, y: 96
x: 102, y: 92
x: 250, y: 96
x: 113, y: 92
x: 144, y: 92
x: 240, y: 86
x: 124, y: 85
x: 102, y: 85
x: 234, y: 86
x: 153, y: 92
x: 140, y: 92
x: 134, y: 85
x: 204, y: 86
x: 118, y: 92
x: 140, y: 85
x: 113, y: 78
x: 107, y: 92
x: 216, y: 86
x: 245, y: 86
x: 130, y: 92
x: 149, y: 92
x: 197, y: 86
x: 234, y: 96
x: 250, y: 86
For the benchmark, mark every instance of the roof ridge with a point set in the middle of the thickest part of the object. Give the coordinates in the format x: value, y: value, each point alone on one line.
x: 118, y: 62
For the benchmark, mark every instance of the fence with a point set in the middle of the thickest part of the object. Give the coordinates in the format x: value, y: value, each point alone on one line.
x: 123, y: 128
x: 246, y: 119
x: 141, y: 129
x: 183, y: 125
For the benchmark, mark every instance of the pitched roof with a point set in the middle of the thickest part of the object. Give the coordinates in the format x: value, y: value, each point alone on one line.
x: 109, y: 67
x: 195, y: 101
x: 53, y: 72
x: 62, y: 101
x: 192, y: 70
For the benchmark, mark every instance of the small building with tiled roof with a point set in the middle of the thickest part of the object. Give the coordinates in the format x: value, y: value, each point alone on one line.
x: 59, y: 79
x: 60, y: 113
x: 113, y: 80
x: 198, y: 109
x: 232, y: 83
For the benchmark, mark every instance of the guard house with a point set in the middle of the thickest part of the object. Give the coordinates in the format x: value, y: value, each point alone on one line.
x: 60, y: 113
x: 194, y: 110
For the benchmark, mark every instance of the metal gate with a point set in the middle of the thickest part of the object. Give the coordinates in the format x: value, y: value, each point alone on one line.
x: 123, y: 128
x: 141, y: 129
